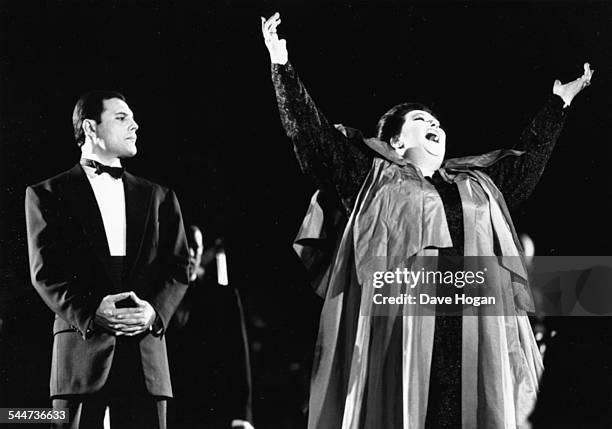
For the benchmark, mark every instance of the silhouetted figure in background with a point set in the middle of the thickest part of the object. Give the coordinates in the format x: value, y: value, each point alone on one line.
x: 208, y: 347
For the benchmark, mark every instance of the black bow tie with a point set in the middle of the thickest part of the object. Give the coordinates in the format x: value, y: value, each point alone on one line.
x: 115, y: 172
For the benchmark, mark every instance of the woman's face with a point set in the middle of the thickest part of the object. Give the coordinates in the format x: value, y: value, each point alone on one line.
x: 421, y: 137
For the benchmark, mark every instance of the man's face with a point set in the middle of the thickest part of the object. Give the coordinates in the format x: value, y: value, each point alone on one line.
x: 195, y: 254
x: 116, y: 132
x: 421, y: 134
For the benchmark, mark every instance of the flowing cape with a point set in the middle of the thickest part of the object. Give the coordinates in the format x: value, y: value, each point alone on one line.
x: 372, y: 371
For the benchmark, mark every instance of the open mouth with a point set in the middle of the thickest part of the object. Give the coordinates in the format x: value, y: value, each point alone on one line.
x: 432, y: 137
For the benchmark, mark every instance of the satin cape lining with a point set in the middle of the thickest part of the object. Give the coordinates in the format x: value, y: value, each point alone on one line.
x: 373, y: 371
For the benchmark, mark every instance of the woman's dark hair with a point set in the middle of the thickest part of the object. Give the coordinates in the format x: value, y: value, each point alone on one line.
x: 90, y: 106
x: 390, y: 124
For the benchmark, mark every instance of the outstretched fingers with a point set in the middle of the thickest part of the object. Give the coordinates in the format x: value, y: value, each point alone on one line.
x: 569, y: 90
x: 274, y: 24
x: 276, y: 47
x: 587, y: 75
x: 268, y: 27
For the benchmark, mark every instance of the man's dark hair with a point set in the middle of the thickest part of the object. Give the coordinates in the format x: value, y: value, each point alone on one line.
x: 90, y: 106
x: 390, y: 124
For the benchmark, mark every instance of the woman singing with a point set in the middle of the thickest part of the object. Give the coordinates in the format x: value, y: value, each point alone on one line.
x: 399, y: 200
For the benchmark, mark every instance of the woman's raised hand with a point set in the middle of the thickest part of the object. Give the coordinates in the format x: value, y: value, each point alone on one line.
x: 567, y: 91
x: 276, y: 47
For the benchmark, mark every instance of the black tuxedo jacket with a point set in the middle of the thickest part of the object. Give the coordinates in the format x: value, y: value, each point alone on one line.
x: 69, y: 267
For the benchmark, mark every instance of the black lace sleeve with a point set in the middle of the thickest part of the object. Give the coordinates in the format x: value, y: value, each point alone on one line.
x: 324, y: 153
x: 517, y: 176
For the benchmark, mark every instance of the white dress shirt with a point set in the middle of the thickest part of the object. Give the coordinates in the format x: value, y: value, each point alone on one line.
x: 111, y: 202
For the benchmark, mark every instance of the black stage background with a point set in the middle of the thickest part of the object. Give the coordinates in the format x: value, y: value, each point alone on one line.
x: 197, y: 77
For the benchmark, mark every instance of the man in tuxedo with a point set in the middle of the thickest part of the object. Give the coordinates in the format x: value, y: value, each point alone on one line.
x: 108, y: 255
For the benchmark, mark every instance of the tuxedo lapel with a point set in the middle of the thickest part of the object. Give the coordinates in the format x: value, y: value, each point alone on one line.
x: 137, y: 207
x: 82, y: 200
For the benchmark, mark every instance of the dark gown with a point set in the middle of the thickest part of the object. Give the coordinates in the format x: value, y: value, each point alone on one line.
x: 339, y: 167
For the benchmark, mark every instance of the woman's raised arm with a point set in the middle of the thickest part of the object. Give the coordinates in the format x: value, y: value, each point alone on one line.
x: 516, y: 177
x: 324, y: 153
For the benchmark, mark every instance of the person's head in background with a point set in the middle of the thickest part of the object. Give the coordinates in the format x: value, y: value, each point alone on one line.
x: 195, y: 241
